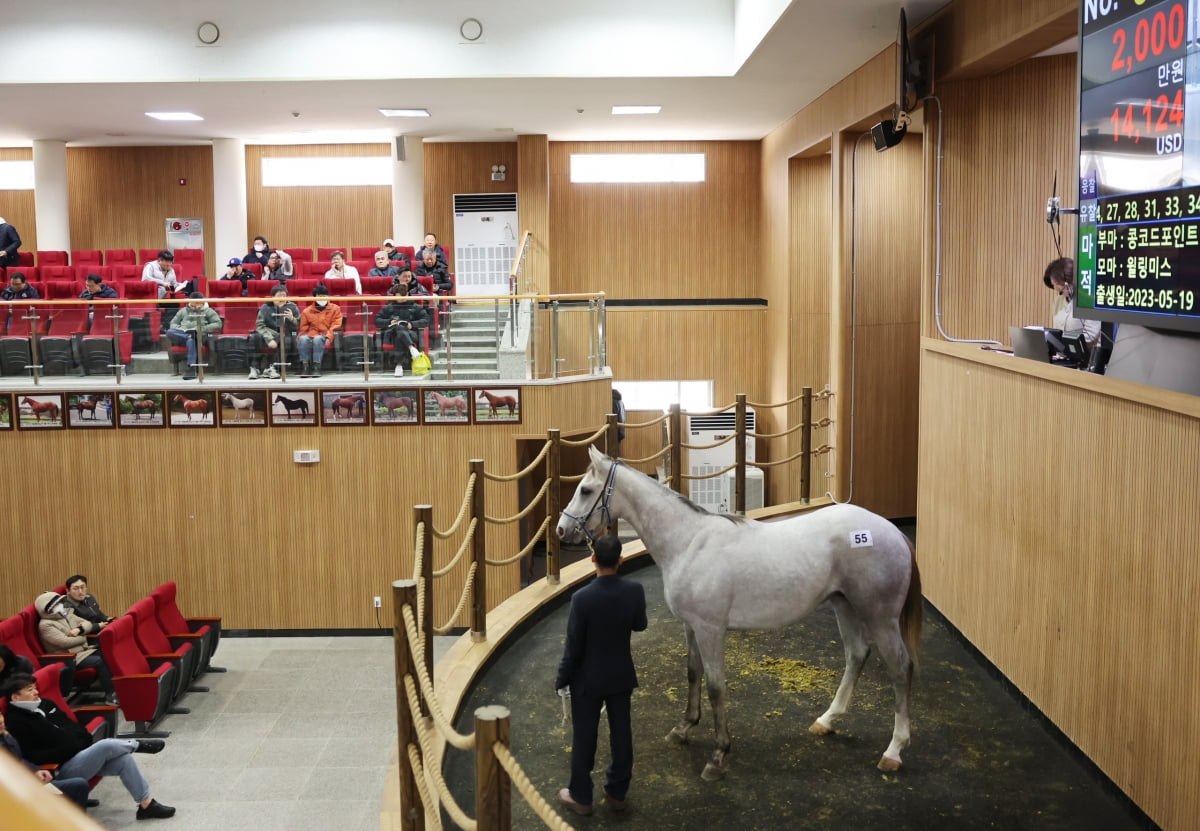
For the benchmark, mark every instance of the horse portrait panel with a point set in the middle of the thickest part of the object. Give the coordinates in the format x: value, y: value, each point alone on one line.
x: 40, y: 412
x: 6, y: 422
x: 497, y: 405
x: 397, y: 406
x: 193, y: 409
x: 90, y: 410
x: 243, y: 408
x: 299, y: 408
x: 141, y: 409
x: 345, y: 408
x: 448, y: 406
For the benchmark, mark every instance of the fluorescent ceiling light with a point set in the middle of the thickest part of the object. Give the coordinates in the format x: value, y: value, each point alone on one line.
x: 175, y: 116
x: 419, y: 112
x: 653, y: 109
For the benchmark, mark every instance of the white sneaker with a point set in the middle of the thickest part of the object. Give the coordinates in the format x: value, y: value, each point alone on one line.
x: 271, y: 372
x: 253, y: 373
x: 399, y: 373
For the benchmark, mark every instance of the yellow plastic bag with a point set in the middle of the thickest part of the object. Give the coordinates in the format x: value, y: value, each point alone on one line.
x: 421, y: 365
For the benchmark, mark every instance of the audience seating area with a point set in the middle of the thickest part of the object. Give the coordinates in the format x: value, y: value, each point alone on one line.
x: 155, y: 655
x: 79, y: 340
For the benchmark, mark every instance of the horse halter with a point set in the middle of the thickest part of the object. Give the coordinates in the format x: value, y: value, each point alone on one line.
x: 601, y: 503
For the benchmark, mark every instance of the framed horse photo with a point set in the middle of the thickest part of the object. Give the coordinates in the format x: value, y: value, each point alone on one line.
x: 243, y: 408
x: 344, y: 408
x: 6, y: 422
x: 87, y: 410
x: 398, y: 406
x: 497, y: 405
x: 296, y: 409
x: 141, y: 409
x: 40, y: 412
x: 192, y: 409
x: 448, y: 406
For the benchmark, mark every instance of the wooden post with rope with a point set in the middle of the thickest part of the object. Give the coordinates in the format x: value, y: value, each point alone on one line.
x: 412, y: 814
x: 676, y: 421
x: 553, y: 497
x: 479, y: 554
x: 739, y: 458
x: 612, y: 440
x: 424, y: 513
x: 493, y: 788
x: 806, y: 444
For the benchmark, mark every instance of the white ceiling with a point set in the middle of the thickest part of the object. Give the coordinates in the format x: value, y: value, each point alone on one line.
x: 544, y: 67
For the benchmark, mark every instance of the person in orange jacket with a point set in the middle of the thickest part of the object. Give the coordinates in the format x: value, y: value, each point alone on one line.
x: 319, y: 320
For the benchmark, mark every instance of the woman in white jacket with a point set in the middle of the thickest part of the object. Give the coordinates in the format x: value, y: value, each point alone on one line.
x: 61, y: 630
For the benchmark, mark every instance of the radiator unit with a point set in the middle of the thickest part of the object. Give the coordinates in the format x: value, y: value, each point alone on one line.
x: 707, y: 429
x: 485, y: 242
x: 754, y: 490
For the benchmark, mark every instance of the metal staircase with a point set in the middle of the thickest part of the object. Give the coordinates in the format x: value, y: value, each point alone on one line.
x: 470, y: 343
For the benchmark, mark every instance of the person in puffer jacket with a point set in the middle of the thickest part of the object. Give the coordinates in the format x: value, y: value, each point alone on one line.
x: 61, y: 630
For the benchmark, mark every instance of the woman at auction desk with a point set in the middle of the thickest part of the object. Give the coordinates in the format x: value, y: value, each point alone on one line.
x: 1060, y: 276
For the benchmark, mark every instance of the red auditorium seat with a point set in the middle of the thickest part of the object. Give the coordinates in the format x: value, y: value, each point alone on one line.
x: 87, y: 256
x: 224, y: 288
x: 376, y: 286
x: 145, y: 255
x: 32, y: 273
x: 24, y: 259
x: 21, y: 634
x: 302, y: 286
x: 183, y: 649
x: 174, y: 622
x: 58, y: 272
x: 56, y: 346
x: 190, y: 256
x: 96, y: 347
x: 254, y: 268
x: 348, y: 342
x: 364, y: 252
x: 143, y: 290
x: 326, y: 254
x: 52, y: 258
x: 411, y: 251
x: 260, y: 288
x: 426, y: 282
x: 233, y: 348
x: 340, y: 286
x: 122, y: 256
x: 82, y: 272
x: 299, y: 255
x: 313, y: 268
x: 63, y: 289
x: 121, y: 273
x: 145, y: 687
x: 99, y: 719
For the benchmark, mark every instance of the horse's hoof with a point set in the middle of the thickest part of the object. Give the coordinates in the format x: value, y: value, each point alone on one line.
x: 819, y: 729
x: 712, y: 773
x: 677, y: 736
x: 889, y: 765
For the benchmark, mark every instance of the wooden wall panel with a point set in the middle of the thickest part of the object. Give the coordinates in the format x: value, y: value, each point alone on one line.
x: 643, y: 241
x: 1070, y: 560
x: 119, y: 197
x: 977, y: 37
x: 1002, y: 149
x: 464, y: 167
x: 533, y: 188
x: 316, y: 216
x: 250, y: 535
x: 17, y: 206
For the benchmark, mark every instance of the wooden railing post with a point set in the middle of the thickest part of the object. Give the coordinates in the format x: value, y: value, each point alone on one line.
x: 806, y: 444
x: 479, y: 554
x: 35, y: 365
x: 675, y: 419
x: 739, y: 458
x: 412, y: 811
x: 612, y: 441
x: 424, y: 513
x: 493, y: 788
x: 553, y: 508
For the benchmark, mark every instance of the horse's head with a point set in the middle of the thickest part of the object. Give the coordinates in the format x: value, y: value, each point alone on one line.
x: 279, y: 399
x: 587, y: 513
x: 482, y: 396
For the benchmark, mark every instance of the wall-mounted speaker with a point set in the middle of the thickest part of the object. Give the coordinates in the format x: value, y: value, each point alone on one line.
x: 399, y: 148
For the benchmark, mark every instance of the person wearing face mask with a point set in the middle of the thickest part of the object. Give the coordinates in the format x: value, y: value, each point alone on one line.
x: 61, y: 630
x: 48, y: 736
x: 277, y: 318
x: 258, y: 253
x: 319, y: 320
x: 75, y: 789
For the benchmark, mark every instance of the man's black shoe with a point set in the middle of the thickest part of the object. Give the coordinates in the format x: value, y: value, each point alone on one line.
x: 155, y: 810
x: 149, y: 746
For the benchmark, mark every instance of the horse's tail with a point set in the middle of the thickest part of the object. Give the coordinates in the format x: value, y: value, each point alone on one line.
x: 912, y: 612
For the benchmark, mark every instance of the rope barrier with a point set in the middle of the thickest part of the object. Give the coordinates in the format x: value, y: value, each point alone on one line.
x: 653, y: 458
x: 634, y: 425
x: 525, y: 788
x: 533, y: 503
x: 462, y: 512
x: 462, y: 602
x: 588, y: 440
x: 573, y: 478
x: 720, y: 472
x: 495, y: 477
x: 822, y: 450
x: 418, y: 562
x: 443, y: 791
x: 728, y: 438
x: 536, y: 539
x: 462, y: 742
x: 776, y: 435
x: 756, y: 405
x: 717, y: 411
x: 825, y: 422
x: 418, y: 769
x: 467, y: 538
x: 790, y: 458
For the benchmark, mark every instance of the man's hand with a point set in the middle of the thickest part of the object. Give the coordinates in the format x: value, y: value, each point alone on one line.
x: 564, y: 692
x: 271, y: 344
x: 45, y: 777
x: 75, y: 633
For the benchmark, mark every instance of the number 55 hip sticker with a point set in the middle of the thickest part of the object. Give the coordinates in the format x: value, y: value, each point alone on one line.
x: 860, y: 539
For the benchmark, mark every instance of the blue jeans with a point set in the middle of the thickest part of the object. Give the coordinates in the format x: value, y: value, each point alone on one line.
x: 108, y: 757
x: 179, y: 336
x: 312, y: 348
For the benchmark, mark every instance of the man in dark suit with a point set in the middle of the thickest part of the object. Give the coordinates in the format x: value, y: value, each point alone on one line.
x: 10, y: 241
x: 597, y: 668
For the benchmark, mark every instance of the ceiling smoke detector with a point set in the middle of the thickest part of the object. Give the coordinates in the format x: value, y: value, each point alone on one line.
x: 471, y: 30
x: 208, y: 33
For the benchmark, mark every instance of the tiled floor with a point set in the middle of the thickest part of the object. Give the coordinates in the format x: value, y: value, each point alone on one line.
x: 296, y: 735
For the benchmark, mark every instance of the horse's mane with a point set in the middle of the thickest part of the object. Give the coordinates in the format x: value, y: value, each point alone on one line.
x: 734, y: 518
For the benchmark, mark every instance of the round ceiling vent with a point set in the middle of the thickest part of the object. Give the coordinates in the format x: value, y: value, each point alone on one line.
x: 471, y: 29
x: 208, y: 33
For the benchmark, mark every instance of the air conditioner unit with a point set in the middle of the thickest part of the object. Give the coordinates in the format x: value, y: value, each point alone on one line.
x: 485, y: 242
x: 755, y: 497
x: 709, y: 429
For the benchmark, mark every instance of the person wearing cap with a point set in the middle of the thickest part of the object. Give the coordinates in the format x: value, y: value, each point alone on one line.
x: 61, y: 630
x: 48, y: 736
x: 162, y: 271
x: 236, y: 270
x: 384, y: 267
x: 195, y: 318
x: 395, y: 255
x: 319, y: 320
x: 277, y: 317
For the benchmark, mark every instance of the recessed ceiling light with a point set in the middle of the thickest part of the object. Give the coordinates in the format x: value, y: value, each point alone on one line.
x: 637, y: 110
x: 175, y: 116
x: 405, y: 113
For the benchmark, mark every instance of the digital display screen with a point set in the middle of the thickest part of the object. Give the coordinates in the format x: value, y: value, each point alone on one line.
x: 1138, y: 258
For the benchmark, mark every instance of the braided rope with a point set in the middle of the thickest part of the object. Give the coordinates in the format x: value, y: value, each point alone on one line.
x: 536, y: 539
x: 632, y: 425
x: 756, y: 405
x: 825, y: 422
x: 822, y: 450
x: 467, y: 539
x: 418, y: 769
x: 533, y: 503
x: 525, y: 788
x: 776, y: 435
x: 717, y: 411
x: 823, y: 394
x: 495, y: 477
x: 462, y: 742
x: 790, y: 458
x: 572, y: 478
x: 653, y: 458
x: 720, y: 472
x: 462, y: 602
x: 442, y: 791
x: 420, y: 550
x: 725, y: 440
x: 588, y: 440
x: 462, y: 511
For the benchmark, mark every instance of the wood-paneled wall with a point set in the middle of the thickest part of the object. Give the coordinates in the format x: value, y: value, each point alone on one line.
x: 1069, y: 559
x: 248, y: 534
x: 317, y: 216
x: 463, y: 167
x: 17, y: 206
x: 120, y: 197
x: 678, y: 240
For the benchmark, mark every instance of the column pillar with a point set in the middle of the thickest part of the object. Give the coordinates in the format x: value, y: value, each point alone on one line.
x: 408, y: 190
x: 533, y: 190
x: 50, y: 203
x: 229, y: 236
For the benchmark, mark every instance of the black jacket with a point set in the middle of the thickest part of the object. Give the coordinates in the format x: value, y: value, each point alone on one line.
x: 597, y: 661
x: 10, y: 241
x: 106, y: 293
x: 441, y: 277
x: 414, y: 313
x: 49, y: 740
x: 27, y: 293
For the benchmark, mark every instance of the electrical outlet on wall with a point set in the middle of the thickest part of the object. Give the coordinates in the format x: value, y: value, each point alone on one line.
x: 378, y: 602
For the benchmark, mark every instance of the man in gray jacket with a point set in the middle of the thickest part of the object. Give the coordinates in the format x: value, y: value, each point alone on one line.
x: 277, y: 318
x: 195, y: 318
